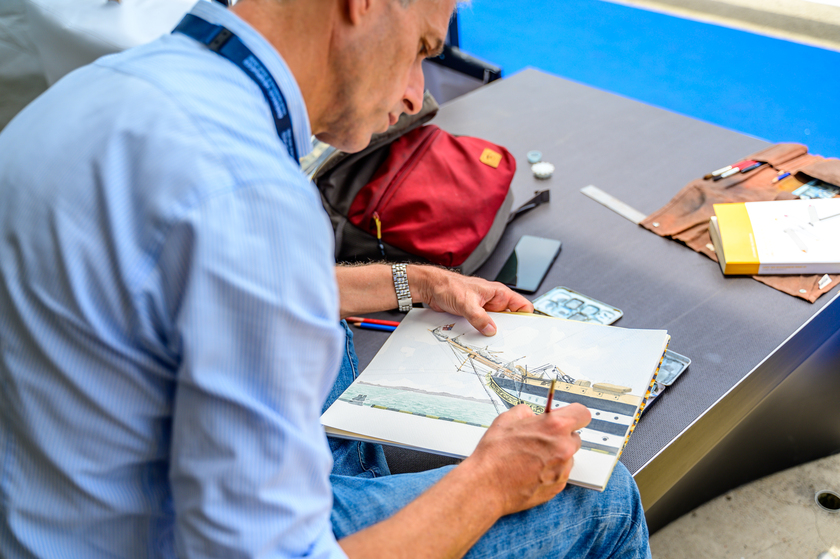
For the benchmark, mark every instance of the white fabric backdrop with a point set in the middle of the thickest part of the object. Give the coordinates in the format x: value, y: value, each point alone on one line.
x: 42, y: 40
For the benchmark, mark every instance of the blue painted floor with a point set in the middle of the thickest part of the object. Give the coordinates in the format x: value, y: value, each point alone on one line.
x: 773, y: 89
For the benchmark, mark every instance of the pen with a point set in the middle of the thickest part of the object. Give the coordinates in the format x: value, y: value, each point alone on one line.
x: 550, y: 395
x: 728, y: 173
x: 718, y: 172
x: 369, y: 326
x: 724, y: 169
x: 372, y: 321
x: 755, y: 165
x: 748, y: 163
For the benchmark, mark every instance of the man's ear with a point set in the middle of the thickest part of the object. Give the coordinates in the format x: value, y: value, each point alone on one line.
x: 356, y: 10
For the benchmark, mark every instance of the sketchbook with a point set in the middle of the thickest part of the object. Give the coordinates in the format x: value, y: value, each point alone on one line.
x: 437, y: 384
x: 777, y: 237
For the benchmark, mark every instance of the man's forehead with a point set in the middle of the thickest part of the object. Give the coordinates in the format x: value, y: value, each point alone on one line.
x: 436, y: 15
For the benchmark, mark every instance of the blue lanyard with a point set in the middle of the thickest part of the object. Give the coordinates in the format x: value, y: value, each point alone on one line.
x: 225, y: 43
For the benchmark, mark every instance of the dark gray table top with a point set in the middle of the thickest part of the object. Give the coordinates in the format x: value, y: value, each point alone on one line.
x: 642, y: 155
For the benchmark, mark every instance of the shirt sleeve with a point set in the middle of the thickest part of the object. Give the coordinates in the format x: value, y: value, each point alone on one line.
x: 260, y: 340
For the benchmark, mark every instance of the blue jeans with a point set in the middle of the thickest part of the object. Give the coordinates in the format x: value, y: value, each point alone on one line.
x: 576, y: 523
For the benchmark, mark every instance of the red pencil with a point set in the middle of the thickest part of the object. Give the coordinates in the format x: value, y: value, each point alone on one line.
x: 372, y: 321
x: 550, y: 396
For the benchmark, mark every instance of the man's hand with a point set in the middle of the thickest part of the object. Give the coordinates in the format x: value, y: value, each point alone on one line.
x: 522, y: 461
x: 526, y: 458
x: 370, y: 288
x: 466, y: 296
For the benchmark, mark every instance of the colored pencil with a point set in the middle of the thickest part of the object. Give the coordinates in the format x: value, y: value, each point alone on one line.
x: 372, y: 321
x: 370, y: 326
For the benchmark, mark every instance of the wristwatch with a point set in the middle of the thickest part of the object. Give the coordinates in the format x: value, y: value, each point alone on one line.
x: 401, y: 287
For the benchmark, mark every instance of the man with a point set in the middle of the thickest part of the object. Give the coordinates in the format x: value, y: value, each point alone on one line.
x: 169, y: 313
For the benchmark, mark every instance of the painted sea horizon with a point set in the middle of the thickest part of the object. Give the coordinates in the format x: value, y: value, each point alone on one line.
x: 442, y: 406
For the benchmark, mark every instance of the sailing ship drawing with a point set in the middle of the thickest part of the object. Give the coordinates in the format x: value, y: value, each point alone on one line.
x: 613, y: 407
x: 437, y: 384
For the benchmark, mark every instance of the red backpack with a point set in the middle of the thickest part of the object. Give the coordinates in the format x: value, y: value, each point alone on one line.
x: 419, y: 194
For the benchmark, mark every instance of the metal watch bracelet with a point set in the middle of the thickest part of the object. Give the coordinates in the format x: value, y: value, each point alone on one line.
x: 401, y: 287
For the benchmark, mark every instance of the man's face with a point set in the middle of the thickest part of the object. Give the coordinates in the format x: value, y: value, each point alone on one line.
x: 379, y: 69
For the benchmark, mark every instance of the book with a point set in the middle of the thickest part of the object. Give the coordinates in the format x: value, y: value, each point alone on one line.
x: 436, y: 384
x: 777, y: 237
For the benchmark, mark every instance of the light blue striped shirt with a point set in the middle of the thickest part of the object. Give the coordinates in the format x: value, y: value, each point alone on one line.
x: 168, y: 315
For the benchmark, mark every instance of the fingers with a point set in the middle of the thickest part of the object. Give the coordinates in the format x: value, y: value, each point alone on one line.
x: 565, y: 421
x: 466, y: 296
x: 514, y: 301
x: 530, y: 456
x: 493, y: 296
x: 469, y: 297
x: 503, y: 298
x: 517, y: 412
x: 482, y: 322
x: 521, y: 306
x: 577, y: 413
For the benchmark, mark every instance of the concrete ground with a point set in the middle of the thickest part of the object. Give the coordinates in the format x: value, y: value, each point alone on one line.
x: 811, y: 22
x: 770, y: 518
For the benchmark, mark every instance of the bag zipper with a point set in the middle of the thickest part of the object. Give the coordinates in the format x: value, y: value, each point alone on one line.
x: 381, y: 200
x: 379, y: 232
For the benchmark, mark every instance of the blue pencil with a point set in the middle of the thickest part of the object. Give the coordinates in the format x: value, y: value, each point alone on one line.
x: 370, y: 326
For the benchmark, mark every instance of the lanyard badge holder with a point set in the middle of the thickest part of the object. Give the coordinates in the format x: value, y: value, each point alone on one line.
x: 224, y: 43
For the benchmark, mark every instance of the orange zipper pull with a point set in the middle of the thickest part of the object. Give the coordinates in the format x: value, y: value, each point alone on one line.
x: 378, y: 223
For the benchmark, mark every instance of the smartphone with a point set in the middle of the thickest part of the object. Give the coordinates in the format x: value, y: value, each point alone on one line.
x: 529, y: 262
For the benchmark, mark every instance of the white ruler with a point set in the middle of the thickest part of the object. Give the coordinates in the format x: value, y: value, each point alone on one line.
x: 614, y: 204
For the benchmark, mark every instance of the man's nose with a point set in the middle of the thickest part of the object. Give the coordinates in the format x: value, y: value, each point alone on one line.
x: 413, y: 97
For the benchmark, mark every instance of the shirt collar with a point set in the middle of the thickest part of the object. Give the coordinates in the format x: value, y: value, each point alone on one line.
x: 217, y: 14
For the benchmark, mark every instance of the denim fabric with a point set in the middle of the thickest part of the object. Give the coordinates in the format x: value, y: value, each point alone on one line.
x: 577, y: 523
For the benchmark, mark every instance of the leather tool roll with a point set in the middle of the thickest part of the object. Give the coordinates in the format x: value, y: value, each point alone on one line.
x: 686, y: 217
